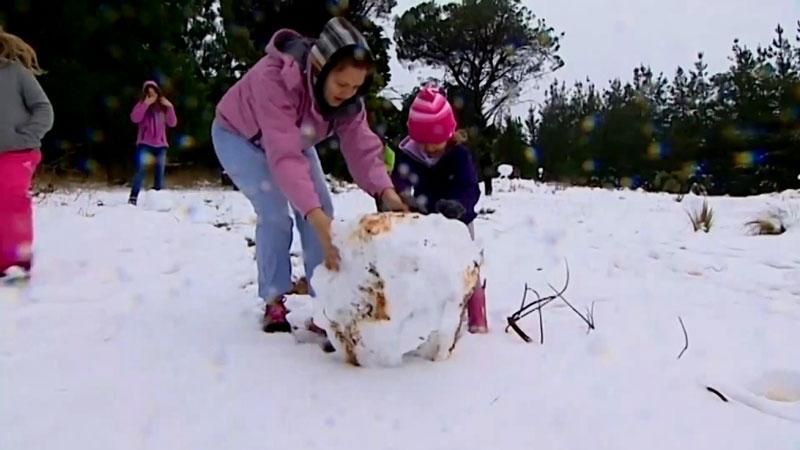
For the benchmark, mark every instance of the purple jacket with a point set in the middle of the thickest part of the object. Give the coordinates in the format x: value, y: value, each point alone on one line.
x: 273, y: 105
x: 451, y: 177
x: 153, y: 121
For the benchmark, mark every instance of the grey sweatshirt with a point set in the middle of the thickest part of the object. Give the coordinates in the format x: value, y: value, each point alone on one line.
x: 25, y: 111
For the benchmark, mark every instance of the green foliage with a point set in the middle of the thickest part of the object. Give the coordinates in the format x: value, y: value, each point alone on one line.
x: 510, y: 148
x: 249, y: 25
x: 736, y: 132
x: 488, y: 48
x: 97, y: 55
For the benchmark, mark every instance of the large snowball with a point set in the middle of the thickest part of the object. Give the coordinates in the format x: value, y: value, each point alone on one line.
x: 402, y: 289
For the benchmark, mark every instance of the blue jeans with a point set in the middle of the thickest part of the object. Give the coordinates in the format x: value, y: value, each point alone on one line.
x: 246, y: 165
x: 159, y: 154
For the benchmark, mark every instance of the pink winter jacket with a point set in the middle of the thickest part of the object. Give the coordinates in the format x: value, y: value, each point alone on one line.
x: 153, y: 121
x: 273, y: 104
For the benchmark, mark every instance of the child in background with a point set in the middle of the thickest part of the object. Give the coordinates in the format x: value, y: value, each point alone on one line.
x: 25, y: 117
x: 434, y: 173
x: 264, y: 134
x: 153, y: 113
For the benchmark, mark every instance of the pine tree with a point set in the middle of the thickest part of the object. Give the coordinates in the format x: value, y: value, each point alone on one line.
x: 488, y: 48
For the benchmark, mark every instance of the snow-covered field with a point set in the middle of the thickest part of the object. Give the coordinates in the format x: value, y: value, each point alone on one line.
x: 140, y: 330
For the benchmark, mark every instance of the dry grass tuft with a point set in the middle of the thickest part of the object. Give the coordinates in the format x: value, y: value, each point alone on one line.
x: 703, y: 218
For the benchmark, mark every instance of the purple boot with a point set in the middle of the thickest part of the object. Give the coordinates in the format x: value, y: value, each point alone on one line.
x: 476, y: 310
x: 275, y: 318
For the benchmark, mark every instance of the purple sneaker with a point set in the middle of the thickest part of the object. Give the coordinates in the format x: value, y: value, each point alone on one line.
x: 275, y: 318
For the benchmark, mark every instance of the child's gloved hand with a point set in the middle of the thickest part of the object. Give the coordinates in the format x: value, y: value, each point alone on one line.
x: 451, y: 209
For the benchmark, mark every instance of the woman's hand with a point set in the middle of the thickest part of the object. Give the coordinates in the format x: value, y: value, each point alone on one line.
x: 164, y: 102
x: 322, y: 225
x: 392, y: 201
x: 150, y: 99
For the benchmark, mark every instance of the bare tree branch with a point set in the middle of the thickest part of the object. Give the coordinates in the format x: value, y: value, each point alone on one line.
x: 590, y: 315
x: 541, y: 328
x: 717, y: 393
x: 537, y: 305
x: 485, y: 47
x: 589, y: 323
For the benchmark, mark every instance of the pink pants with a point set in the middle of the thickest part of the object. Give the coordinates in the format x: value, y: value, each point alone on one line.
x: 16, y: 209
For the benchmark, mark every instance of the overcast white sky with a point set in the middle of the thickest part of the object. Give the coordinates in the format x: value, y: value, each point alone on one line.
x: 606, y: 39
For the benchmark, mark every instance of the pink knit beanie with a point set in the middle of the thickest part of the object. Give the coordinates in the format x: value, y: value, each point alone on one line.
x: 431, y: 119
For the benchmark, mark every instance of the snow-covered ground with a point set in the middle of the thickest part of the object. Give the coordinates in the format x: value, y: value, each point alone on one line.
x: 140, y: 330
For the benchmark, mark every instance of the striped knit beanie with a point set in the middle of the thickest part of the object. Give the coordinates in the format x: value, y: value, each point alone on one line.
x: 431, y: 119
x: 338, y: 34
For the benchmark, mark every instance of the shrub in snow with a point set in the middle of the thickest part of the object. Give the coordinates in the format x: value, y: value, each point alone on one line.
x: 402, y: 288
x: 702, y: 218
x: 775, y: 221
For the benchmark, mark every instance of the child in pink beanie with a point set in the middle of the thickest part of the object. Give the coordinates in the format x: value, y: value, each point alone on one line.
x: 434, y: 173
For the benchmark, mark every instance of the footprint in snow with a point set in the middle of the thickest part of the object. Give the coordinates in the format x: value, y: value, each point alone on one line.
x: 776, y: 393
x: 778, y: 386
x: 780, y: 265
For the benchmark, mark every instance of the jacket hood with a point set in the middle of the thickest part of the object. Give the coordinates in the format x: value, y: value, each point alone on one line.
x: 150, y: 83
x: 316, y: 58
x: 338, y: 40
x: 338, y: 37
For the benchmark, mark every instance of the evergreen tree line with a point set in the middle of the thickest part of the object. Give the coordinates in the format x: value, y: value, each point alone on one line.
x: 733, y: 132
x: 736, y: 132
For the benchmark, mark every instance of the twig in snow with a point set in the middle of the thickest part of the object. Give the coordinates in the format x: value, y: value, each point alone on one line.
x: 541, y: 328
x: 537, y: 305
x: 685, y: 338
x: 524, y: 293
x: 525, y: 310
x: 718, y: 393
x: 513, y: 324
x: 560, y: 295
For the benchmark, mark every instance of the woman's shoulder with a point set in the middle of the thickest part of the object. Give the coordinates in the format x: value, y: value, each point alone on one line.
x: 11, y: 68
